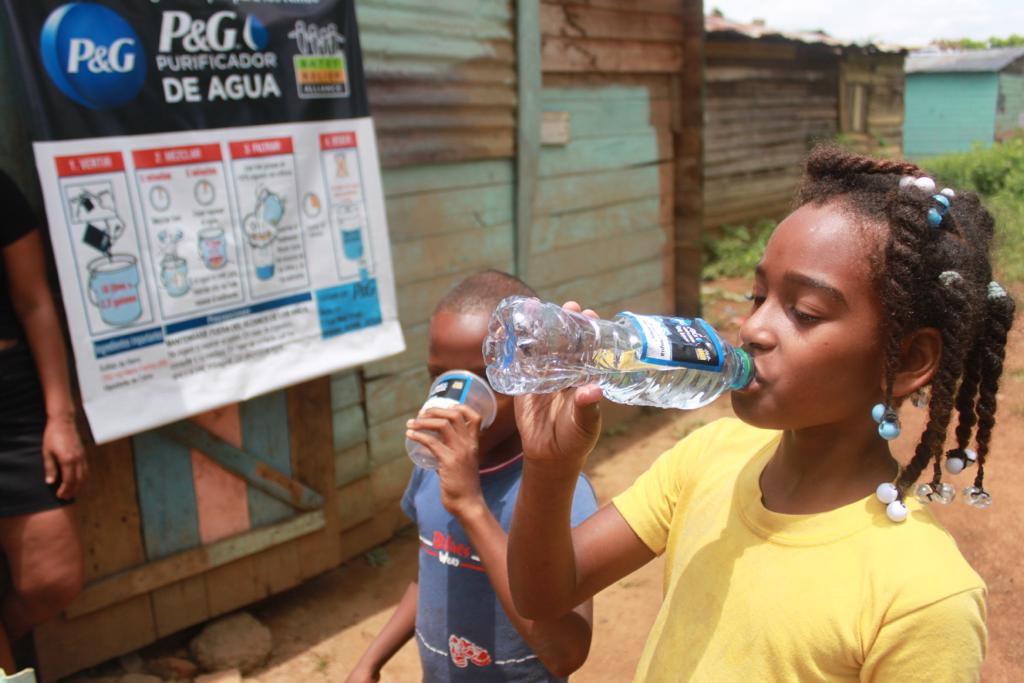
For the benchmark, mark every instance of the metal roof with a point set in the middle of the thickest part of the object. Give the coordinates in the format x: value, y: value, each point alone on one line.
x: 968, y: 60
x: 713, y: 23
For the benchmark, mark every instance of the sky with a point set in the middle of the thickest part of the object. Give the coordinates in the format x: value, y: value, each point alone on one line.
x: 912, y: 23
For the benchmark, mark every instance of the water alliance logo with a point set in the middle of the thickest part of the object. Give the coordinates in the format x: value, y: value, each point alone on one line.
x: 92, y: 55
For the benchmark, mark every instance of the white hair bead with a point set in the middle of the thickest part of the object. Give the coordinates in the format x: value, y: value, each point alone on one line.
x: 887, y: 492
x: 906, y: 181
x: 948, y: 192
x: 925, y: 183
x: 995, y: 290
x: 949, y: 277
x: 896, y: 511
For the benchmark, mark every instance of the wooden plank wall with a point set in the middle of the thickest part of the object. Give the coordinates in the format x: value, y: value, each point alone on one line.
x: 882, y: 76
x: 442, y: 80
x: 603, y: 224
x: 765, y: 105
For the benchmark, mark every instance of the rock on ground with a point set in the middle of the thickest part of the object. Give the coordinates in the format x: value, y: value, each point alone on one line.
x: 237, y: 641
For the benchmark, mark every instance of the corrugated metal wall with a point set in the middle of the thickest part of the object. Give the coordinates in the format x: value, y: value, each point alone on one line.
x: 936, y: 123
x: 765, y: 105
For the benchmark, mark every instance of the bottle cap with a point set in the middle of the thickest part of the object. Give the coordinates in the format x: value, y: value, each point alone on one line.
x: 747, y: 376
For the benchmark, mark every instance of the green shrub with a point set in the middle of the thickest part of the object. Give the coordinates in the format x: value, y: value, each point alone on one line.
x: 736, y: 250
x: 997, y: 174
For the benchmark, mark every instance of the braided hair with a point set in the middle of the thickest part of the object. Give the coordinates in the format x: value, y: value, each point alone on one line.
x: 927, y: 277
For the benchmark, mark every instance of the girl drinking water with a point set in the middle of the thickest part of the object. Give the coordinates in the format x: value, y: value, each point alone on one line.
x: 797, y: 547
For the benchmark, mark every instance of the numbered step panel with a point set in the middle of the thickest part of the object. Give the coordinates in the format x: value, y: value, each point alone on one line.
x: 193, y: 245
x: 104, y: 242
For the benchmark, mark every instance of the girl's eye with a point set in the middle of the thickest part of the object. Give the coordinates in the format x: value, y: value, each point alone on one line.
x: 805, y: 318
x: 755, y: 299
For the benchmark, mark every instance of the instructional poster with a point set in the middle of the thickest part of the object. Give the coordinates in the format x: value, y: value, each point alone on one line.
x: 212, y: 186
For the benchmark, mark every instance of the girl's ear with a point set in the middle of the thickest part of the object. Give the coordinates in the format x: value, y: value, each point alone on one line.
x: 919, y: 359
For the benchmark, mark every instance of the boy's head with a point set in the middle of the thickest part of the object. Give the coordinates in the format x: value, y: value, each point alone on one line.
x: 457, y: 331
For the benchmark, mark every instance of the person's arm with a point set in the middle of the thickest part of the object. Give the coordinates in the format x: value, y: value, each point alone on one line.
x: 25, y: 263
x: 553, y: 567
x: 562, y: 643
x: 396, y: 633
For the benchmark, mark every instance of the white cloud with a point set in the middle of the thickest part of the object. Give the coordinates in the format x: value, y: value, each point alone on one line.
x: 909, y: 22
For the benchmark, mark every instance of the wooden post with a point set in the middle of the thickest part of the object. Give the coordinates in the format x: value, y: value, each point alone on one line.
x: 528, y: 124
x: 689, y: 159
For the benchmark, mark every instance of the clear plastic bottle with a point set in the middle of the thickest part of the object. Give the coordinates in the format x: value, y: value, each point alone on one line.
x: 537, y: 347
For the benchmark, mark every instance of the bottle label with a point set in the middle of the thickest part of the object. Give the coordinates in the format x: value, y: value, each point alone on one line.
x: 450, y: 392
x: 678, y: 342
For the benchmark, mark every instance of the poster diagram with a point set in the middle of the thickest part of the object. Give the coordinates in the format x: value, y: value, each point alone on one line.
x: 339, y: 157
x: 192, y: 247
x: 104, y: 242
x: 266, y: 190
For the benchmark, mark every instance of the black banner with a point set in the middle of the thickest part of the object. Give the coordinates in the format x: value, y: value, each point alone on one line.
x: 128, y: 67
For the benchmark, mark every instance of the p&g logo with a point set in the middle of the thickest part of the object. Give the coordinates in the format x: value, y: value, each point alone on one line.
x: 92, y: 55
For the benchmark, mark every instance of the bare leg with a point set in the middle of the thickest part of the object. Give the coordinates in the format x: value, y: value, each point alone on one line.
x: 44, y: 557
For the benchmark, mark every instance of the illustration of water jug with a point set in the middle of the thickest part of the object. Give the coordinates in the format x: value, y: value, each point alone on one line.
x: 114, y: 288
x: 352, y: 243
x: 173, y: 268
x: 261, y: 230
x: 213, y: 248
x: 174, y: 275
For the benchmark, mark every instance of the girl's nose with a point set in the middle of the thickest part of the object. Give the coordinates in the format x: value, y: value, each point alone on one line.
x: 756, y: 332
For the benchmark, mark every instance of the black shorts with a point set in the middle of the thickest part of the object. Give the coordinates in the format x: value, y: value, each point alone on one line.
x: 23, y: 487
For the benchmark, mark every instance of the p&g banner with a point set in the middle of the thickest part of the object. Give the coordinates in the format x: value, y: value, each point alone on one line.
x: 211, y: 182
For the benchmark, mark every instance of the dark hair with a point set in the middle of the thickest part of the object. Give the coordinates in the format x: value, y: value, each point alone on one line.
x: 481, y: 292
x: 972, y: 321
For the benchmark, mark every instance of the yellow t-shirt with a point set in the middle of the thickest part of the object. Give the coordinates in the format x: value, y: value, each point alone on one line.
x: 755, y: 595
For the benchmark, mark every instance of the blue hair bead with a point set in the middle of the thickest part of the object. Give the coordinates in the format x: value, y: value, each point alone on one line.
x: 934, y: 218
x: 889, y: 430
x: 941, y: 199
x: 878, y: 412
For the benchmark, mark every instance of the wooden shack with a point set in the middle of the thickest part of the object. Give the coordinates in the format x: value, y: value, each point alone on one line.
x: 556, y: 139
x: 770, y: 95
x: 988, y: 105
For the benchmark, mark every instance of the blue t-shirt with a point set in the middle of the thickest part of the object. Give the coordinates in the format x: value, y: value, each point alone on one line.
x: 462, y: 630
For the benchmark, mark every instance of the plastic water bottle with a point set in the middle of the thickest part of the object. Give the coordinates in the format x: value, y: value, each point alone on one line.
x: 651, y: 360
x: 447, y: 391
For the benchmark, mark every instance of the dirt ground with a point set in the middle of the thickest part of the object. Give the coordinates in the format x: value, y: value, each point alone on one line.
x: 322, y: 627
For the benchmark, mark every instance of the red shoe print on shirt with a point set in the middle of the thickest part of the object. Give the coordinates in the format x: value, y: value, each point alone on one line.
x: 464, y: 651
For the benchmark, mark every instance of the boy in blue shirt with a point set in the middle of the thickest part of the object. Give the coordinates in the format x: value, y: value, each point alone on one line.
x: 459, y: 609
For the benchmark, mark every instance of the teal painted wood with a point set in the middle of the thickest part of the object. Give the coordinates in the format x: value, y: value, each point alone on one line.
x: 602, y: 288
x: 254, y: 470
x: 446, y: 211
x: 1010, y: 116
x: 528, y: 53
x: 600, y: 256
x: 167, y: 496
x: 587, y: 155
x: 581, y: 192
x: 501, y: 9
x: 398, y: 394
x: 346, y: 390
x: 427, y: 258
x: 422, y: 179
x: 349, y: 426
x: 609, y: 117
x: 562, y: 230
x: 377, y: 18
x: 415, y: 353
x: 265, y: 434
x: 948, y: 112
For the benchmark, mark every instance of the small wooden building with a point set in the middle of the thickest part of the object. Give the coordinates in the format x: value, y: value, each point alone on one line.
x: 956, y: 100
x: 556, y: 139
x: 770, y: 95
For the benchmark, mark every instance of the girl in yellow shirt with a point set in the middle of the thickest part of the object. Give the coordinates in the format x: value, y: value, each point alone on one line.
x: 797, y: 548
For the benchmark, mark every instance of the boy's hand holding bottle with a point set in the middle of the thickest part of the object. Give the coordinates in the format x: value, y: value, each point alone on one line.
x: 452, y: 435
